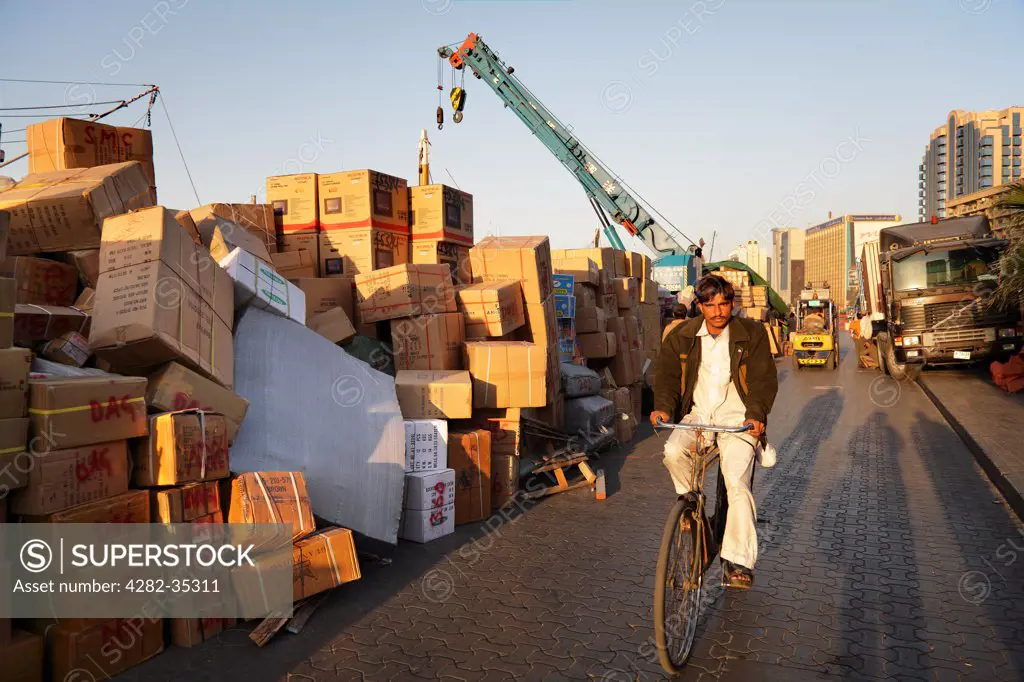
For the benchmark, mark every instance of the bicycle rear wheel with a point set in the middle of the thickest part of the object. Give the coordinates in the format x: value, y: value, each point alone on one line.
x: 677, y: 587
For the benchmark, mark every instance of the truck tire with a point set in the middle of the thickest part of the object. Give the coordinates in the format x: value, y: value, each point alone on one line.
x: 899, y: 372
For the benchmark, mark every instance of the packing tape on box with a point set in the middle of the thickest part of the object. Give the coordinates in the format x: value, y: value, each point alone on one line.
x: 9, y: 451
x: 151, y: 455
x: 82, y: 408
x: 273, y: 510
x: 334, y: 561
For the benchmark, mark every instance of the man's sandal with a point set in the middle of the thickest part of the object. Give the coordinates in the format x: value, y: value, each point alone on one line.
x: 736, y: 577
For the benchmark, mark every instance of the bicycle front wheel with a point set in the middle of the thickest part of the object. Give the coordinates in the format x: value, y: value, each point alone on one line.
x: 677, y: 587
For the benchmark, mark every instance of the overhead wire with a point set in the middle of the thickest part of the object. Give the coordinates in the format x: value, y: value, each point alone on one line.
x: 30, y: 80
x: 60, y: 106
x: 163, y: 104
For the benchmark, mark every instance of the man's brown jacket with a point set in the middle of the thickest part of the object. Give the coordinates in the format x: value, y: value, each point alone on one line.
x: 752, y: 368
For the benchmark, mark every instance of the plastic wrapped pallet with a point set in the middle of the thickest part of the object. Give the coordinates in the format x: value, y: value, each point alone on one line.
x: 579, y: 381
x: 588, y: 414
x: 355, y: 481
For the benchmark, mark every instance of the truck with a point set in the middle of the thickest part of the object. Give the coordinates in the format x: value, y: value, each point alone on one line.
x: 937, y: 280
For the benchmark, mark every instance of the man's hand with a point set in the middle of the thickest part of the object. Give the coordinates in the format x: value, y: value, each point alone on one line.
x: 758, y: 428
x: 658, y: 414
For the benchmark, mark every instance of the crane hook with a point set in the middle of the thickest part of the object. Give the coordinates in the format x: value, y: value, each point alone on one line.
x: 440, y: 118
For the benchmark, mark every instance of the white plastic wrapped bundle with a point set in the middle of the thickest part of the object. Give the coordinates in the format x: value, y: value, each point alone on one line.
x: 315, y: 409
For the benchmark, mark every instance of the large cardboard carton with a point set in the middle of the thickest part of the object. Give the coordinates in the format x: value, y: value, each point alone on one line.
x: 185, y: 503
x: 597, y: 344
x: 63, y: 143
x: 64, y: 210
x: 15, y: 364
x: 175, y: 387
x: 638, y: 265
x: 469, y: 455
x: 89, y: 654
x: 429, y: 511
x: 33, y: 323
x: 23, y: 657
x: 182, y: 447
x: 87, y: 262
x: 362, y: 199
x: 67, y: 412
x: 363, y: 250
x: 85, y: 301
x: 648, y: 291
x: 319, y: 563
x: 272, y: 497
x: 504, y: 480
x: 294, y: 200
x: 434, y: 394
x: 608, y: 260
x: 622, y: 363
x: 66, y: 478
x: 225, y: 237
x: 161, y: 297
x: 324, y: 293
x: 527, y: 259
x: 258, y: 285
x: 190, y: 632
x: 130, y: 507
x: 504, y: 426
x: 14, y: 445
x: 426, y: 444
x: 591, y: 321
x: 333, y: 325
x: 70, y: 349
x: 509, y: 373
x: 441, y: 212
x: 541, y: 325
x: 8, y: 300
x: 429, y: 341
x: 627, y: 292
x: 583, y: 270
x: 41, y: 281
x: 255, y: 219
x: 491, y: 309
x: 650, y: 326
x: 295, y: 264
x: 552, y: 414
x: 405, y: 291
x: 634, y: 337
x: 439, y: 251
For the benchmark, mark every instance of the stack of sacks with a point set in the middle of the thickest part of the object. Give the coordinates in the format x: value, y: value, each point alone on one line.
x: 441, y: 225
x: 428, y: 510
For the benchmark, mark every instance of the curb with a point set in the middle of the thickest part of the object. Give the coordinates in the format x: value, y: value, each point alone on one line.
x: 1013, y: 496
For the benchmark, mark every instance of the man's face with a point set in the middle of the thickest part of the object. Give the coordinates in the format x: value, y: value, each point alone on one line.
x: 717, y: 311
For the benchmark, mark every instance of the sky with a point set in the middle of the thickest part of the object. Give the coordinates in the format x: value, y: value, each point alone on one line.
x: 728, y: 116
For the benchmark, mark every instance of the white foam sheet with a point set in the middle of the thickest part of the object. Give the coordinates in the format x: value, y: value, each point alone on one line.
x: 313, y: 408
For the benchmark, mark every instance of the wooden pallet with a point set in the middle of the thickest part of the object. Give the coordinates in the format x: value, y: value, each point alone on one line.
x: 557, y: 465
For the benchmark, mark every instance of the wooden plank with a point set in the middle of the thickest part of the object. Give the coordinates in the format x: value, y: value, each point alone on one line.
x: 552, y: 490
x: 599, y: 486
x: 559, y: 464
x: 266, y: 630
x: 562, y: 483
x: 587, y: 472
x: 303, y: 613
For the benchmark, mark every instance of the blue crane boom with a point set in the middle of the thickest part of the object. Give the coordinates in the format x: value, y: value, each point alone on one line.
x: 606, y: 193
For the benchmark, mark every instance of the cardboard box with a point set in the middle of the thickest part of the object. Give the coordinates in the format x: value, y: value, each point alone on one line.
x: 190, y: 632
x: 563, y: 284
x: 224, y: 237
x: 41, y: 281
x: 591, y: 321
x: 636, y: 398
x: 426, y: 525
x: 319, y: 563
x: 541, y: 326
x: 255, y: 219
x: 429, y: 341
x: 272, y: 497
x: 552, y: 414
x: 87, y: 263
x: 491, y: 308
x: 258, y: 285
x: 15, y: 365
x: 67, y: 412
x: 622, y: 362
x: 648, y: 291
x: 429, y: 489
x: 756, y: 313
x: 627, y: 292
x: 14, y: 467
x: 426, y: 444
x: 176, y: 387
x: 436, y: 394
x: 23, y: 657
x: 70, y: 349
x: 62, y: 479
x: 333, y: 325
x: 64, y: 143
x: 634, y: 337
x: 64, y: 210
x: 610, y: 305
x: 582, y: 269
x: 597, y: 344
x: 363, y: 199
x: 504, y: 426
x: 469, y: 455
x: 509, y: 373
x: 129, y: 507
x: 84, y: 302
x: 504, y: 480
x: 565, y: 307
x: 638, y: 265
x: 294, y: 200
x: 437, y: 251
x: 324, y: 293
x: 605, y: 259
x: 441, y: 212
x: 33, y: 323
x: 8, y: 300
x: 161, y: 297
x: 527, y: 259
x: 355, y: 251
x: 185, y: 503
x: 186, y: 446
x: 405, y: 291
x: 298, y: 255
x: 102, y: 651
x: 650, y: 326
x: 184, y: 219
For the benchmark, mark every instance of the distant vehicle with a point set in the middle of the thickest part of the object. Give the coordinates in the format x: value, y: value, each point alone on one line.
x: 936, y: 281
x: 815, y: 341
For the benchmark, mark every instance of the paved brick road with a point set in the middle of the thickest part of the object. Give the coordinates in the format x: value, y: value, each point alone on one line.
x: 887, y: 555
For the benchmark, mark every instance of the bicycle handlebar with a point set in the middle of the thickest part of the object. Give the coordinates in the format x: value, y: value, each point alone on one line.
x: 704, y: 427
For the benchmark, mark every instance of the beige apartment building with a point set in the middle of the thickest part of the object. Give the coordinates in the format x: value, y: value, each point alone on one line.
x: 787, y: 263
x: 833, y: 248
x: 972, y: 152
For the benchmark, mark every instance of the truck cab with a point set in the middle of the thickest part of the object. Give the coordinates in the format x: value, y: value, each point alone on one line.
x: 937, y: 281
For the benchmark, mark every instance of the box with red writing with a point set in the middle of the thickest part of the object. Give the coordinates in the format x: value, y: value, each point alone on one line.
x: 176, y: 387
x: 186, y: 503
x: 429, y: 508
x: 129, y: 507
x: 61, y: 479
x: 182, y: 447
x: 69, y: 412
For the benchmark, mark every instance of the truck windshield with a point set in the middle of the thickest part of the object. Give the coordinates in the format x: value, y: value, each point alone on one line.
x: 944, y: 268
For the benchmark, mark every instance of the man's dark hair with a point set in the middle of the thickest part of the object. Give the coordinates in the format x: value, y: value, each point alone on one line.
x: 709, y: 286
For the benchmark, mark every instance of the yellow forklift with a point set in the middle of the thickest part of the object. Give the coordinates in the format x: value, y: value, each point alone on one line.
x: 816, y: 341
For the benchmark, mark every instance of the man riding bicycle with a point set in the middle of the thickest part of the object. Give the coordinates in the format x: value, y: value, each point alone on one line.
x: 719, y: 369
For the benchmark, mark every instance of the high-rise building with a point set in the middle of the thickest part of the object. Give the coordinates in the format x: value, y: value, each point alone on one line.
x: 753, y: 256
x: 973, y: 151
x: 787, y: 263
x: 833, y: 248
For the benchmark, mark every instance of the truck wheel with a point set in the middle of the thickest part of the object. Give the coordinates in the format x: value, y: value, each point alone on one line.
x: 898, y: 371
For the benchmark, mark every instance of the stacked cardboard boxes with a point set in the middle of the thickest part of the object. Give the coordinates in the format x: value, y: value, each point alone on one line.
x: 565, y: 313
x: 296, y: 216
x: 441, y: 221
x: 469, y: 456
x: 504, y: 427
x: 428, y: 511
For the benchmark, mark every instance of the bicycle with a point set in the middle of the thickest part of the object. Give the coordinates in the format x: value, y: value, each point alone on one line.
x: 689, y: 543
